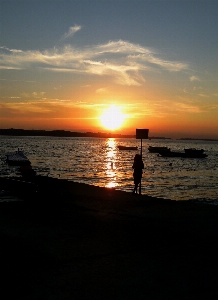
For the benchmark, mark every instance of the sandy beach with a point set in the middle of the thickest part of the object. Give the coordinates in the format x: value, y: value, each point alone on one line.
x: 67, y: 240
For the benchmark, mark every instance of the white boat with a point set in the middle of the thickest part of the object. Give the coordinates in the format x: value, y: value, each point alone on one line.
x: 17, y: 158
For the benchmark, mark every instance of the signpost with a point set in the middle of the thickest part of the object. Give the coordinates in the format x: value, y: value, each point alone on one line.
x: 141, y: 134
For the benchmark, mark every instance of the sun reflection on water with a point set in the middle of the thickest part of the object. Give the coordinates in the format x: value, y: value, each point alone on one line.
x: 110, y: 159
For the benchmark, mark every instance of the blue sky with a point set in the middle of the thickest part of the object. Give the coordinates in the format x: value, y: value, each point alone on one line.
x: 63, y: 62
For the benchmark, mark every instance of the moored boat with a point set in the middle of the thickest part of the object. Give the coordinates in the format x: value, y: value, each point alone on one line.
x: 194, y: 150
x: 155, y: 149
x: 120, y: 147
x: 17, y: 158
x: 189, y: 153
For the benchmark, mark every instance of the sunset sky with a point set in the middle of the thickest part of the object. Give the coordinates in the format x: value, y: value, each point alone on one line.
x: 64, y: 63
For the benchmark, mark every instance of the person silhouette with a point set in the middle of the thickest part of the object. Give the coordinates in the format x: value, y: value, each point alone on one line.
x: 138, y: 165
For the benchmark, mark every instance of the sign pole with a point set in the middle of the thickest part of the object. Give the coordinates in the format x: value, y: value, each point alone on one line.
x: 141, y: 147
x: 140, y: 184
x: 141, y: 134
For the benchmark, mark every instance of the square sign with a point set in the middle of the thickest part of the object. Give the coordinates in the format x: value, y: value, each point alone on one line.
x: 142, y: 133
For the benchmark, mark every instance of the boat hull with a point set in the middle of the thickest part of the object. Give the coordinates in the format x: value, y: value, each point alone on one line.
x: 183, y: 154
x: 157, y: 149
x: 127, y: 148
x: 17, y: 159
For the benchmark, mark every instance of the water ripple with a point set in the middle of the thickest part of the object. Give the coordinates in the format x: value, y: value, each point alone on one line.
x: 99, y: 162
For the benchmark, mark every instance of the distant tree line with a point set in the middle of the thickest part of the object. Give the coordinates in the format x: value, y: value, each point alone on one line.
x: 66, y: 133
x: 60, y: 133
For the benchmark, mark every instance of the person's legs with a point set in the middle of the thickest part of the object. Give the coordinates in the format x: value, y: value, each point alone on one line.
x: 135, y: 189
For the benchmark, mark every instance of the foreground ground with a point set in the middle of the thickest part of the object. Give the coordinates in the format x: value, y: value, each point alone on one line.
x: 73, y: 241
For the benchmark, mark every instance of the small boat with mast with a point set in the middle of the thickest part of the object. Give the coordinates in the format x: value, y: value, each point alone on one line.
x: 17, y: 158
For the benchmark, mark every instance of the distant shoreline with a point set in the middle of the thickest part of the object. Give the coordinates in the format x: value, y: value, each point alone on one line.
x: 66, y: 133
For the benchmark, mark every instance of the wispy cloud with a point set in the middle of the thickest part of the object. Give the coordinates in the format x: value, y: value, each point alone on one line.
x: 203, y: 95
x: 11, y: 50
x: 71, y: 31
x: 188, y: 108
x: 86, y: 86
x: 4, y: 67
x: 182, y: 105
x: 123, y: 61
x: 101, y: 91
x: 194, y: 78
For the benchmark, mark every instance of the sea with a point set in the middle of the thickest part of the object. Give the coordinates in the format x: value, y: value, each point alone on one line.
x: 99, y: 162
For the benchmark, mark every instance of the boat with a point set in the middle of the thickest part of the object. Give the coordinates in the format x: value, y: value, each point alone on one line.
x: 194, y: 150
x: 188, y: 153
x: 17, y: 158
x: 120, y: 147
x: 155, y: 149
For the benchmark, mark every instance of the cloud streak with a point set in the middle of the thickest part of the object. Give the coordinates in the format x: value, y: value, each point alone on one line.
x: 125, y: 62
x: 194, y: 78
x: 71, y: 31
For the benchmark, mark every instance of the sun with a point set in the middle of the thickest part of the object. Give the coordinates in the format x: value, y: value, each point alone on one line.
x: 112, y: 118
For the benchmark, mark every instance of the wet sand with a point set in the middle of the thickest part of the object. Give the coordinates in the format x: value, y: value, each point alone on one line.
x: 67, y: 240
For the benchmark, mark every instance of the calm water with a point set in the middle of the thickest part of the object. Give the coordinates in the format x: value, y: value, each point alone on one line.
x: 98, y: 162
